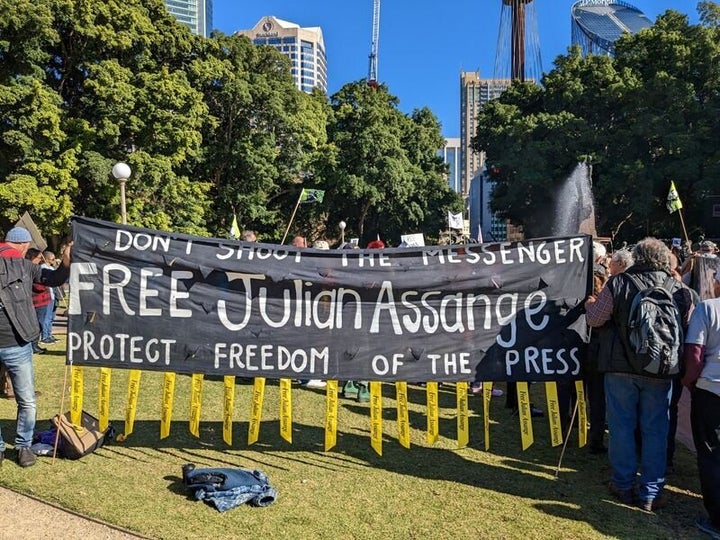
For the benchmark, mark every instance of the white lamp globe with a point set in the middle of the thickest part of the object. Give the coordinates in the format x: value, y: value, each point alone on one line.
x: 121, y: 171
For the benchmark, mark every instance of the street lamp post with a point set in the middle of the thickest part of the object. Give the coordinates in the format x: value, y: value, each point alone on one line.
x: 121, y: 172
x: 342, y: 226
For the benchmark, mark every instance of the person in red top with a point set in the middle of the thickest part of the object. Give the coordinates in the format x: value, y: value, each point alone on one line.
x: 41, y: 297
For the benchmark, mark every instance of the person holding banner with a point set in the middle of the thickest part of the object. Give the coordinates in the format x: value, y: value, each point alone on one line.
x: 19, y: 328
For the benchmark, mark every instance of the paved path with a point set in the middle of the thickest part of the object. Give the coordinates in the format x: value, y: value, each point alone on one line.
x: 27, y: 517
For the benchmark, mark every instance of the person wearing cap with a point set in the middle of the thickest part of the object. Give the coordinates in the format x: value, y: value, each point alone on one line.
x: 19, y: 328
x: 708, y: 249
x: 701, y: 357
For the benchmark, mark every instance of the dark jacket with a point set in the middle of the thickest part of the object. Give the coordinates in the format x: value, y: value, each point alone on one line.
x: 16, y: 279
x: 614, y: 343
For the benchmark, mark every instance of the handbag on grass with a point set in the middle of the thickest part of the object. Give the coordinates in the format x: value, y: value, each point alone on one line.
x: 78, y: 441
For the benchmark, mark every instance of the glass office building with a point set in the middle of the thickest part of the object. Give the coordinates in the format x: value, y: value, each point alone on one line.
x: 303, y: 46
x: 195, y: 14
x: 598, y: 24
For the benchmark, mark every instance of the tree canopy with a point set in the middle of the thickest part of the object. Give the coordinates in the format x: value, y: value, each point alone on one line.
x: 211, y: 127
x: 644, y: 118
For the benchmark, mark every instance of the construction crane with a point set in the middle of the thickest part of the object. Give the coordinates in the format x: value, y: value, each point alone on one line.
x: 373, y: 68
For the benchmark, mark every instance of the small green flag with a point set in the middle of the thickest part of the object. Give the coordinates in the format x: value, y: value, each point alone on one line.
x: 234, y: 229
x: 312, y: 195
x: 673, y: 199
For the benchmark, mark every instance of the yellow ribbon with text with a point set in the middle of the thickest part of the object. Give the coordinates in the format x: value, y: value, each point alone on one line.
x: 228, y: 407
x: 132, y: 399
x: 76, y: 395
x: 286, y: 409
x: 166, y: 405
x: 526, y: 428
x: 331, y: 411
x: 376, y: 416
x: 463, y: 429
x: 433, y: 430
x: 256, y: 409
x: 196, y: 384
x: 403, y: 416
x: 553, y: 407
x: 582, y: 414
x: 104, y: 398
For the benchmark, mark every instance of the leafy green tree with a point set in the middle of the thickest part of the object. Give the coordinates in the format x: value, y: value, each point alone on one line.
x: 643, y: 118
x: 386, y: 178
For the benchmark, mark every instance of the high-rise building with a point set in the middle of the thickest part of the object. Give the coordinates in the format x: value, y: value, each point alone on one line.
x: 196, y: 14
x: 598, y: 24
x: 450, y: 155
x: 303, y: 46
x: 475, y: 93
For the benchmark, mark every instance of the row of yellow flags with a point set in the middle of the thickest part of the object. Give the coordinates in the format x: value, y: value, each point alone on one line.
x: 331, y: 409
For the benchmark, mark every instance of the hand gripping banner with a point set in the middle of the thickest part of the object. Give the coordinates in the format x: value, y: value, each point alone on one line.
x: 150, y: 300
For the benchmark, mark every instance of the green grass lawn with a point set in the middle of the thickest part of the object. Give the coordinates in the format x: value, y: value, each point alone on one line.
x: 433, y: 491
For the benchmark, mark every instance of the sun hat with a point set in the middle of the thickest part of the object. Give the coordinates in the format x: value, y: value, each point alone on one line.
x: 18, y: 235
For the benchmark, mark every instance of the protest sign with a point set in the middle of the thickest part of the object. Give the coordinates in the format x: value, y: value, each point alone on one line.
x: 151, y: 300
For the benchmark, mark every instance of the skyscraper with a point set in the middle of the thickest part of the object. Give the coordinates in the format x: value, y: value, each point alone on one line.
x: 450, y: 155
x: 598, y: 24
x: 303, y: 46
x: 475, y: 93
x: 195, y: 14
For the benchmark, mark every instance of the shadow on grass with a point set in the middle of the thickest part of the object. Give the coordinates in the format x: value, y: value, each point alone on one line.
x: 578, y: 492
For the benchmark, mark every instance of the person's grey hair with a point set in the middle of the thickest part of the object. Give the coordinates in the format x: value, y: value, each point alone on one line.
x: 652, y: 253
x: 623, y: 257
x: 599, y: 251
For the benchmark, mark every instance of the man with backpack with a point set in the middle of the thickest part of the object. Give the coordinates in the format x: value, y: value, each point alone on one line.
x: 646, y: 311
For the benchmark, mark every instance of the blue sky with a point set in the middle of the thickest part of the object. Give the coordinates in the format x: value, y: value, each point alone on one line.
x: 423, y: 45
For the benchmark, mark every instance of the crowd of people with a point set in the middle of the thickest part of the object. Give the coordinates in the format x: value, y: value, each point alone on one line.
x: 640, y: 408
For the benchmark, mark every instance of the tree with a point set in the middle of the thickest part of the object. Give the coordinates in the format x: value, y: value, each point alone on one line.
x: 643, y: 118
x: 386, y: 178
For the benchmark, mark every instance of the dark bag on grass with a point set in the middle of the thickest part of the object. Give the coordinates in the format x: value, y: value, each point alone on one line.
x: 78, y: 441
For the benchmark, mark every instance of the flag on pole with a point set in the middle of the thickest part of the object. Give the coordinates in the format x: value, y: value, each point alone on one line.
x: 234, y: 229
x: 673, y: 199
x: 455, y: 221
x: 312, y: 195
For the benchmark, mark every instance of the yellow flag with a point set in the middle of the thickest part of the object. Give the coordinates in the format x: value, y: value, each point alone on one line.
x: 487, y: 394
x: 526, y: 428
x: 196, y: 384
x: 582, y: 414
x: 331, y: 411
x: 256, y: 409
x: 76, y: 395
x: 228, y: 407
x: 403, y: 416
x: 286, y: 410
x: 104, y: 398
x: 132, y: 399
x: 463, y: 431
x: 433, y: 431
x: 376, y: 416
x: 553, y: 407
x: 166, y: 406
x: 234, y: 229
x: 673, y: 199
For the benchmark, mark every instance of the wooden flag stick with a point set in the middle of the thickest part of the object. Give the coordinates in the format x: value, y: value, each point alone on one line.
x: 291, y: 218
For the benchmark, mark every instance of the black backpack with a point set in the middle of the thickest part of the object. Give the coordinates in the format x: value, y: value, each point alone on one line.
x: 655, y: 330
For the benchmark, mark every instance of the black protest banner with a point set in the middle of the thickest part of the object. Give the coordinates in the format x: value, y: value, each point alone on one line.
x: 151, y: 300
